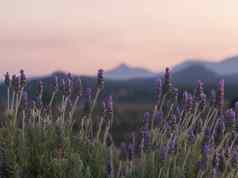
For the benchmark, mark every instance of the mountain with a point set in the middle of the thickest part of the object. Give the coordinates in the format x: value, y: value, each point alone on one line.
x: 228, y: 66
x: 191, y: 74
x: 124, y: 72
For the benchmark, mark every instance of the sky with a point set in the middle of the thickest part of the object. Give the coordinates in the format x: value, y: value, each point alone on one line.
x: 81, y: 36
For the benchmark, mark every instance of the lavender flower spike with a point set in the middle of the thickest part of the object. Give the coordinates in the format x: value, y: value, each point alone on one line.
x: 15, y: 83
x: 171, y: 147
x: 167, y: 81
x: 199, y: 91
x: 7, y: 80
x: 158, y: 119
x: 220, y: 97
x: 230, y: 119
x: 205, y: 150
x: 22, y: 79
x: 189, y: 103
x: 100, y: 78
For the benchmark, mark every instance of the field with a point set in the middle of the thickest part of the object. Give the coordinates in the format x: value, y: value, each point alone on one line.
x: 75, y: 131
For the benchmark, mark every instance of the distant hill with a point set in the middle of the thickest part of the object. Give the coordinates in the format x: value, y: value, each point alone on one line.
x: 191, y: 74
x: 123, y: 71
x: 227, y: 66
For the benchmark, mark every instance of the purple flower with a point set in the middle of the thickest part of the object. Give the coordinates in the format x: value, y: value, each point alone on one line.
x: 171, y: 147
x: 167, y: 81
x: 146, y: 137
x: 220, y: 97
x: 158, y: 119
x: 22, y: 79
x: 173, y: 121
x: 230, y: 119
x: 207, y: 136
x: 205, y: 150
x: 69, y: 76
x: 16, y: 83
x: 145, y: 131
x: 189, y: 103
x: 100, y: 78
x: 230, y: 114
x: 7, y: 80
x: 199, y: 91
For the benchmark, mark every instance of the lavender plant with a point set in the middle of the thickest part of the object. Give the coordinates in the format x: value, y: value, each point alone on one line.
x: 182, y: 137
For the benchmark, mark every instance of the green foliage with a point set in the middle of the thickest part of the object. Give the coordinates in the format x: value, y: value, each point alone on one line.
x: 63, y: 138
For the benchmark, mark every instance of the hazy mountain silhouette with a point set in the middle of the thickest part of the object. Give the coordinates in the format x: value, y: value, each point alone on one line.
x: 227, y: 66
x: 191, y: 74
x: 123, y: 71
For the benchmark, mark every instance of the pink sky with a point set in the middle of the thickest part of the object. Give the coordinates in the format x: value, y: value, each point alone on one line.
x: 81, y: 36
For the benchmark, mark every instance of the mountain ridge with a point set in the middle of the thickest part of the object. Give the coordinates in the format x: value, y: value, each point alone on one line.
x: 227, y: 66
x: 124, y: 71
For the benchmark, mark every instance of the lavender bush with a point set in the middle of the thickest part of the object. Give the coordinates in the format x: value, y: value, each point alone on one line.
x: 185, y: 135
